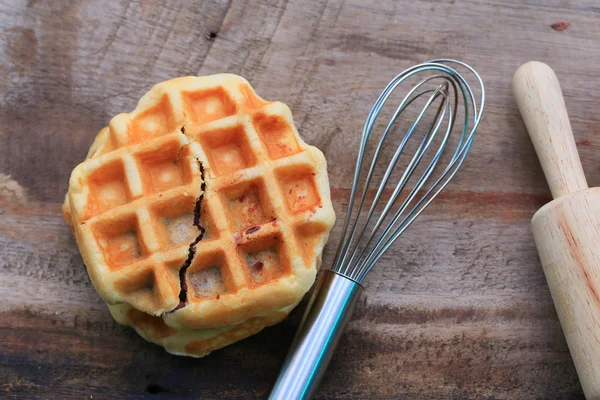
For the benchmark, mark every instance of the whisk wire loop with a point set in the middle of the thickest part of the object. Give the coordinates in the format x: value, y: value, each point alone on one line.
x: 360, y: 247
x: 413, y: 164
x: 444, y: 107
x: 364, y: 141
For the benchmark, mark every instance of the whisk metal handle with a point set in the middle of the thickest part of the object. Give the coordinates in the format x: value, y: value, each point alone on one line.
x: 328, y: 312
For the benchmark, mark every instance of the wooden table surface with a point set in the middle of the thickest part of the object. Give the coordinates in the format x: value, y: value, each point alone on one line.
x: 460, y: 307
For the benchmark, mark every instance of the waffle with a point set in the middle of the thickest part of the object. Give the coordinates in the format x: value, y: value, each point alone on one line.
x: 203, y: 206
x: 192, y: 342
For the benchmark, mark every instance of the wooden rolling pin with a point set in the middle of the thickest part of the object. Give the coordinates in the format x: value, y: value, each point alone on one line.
x: 566, y: 230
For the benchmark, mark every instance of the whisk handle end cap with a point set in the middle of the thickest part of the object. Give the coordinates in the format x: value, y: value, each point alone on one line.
x: 540, y: 100
x: 326, y: 315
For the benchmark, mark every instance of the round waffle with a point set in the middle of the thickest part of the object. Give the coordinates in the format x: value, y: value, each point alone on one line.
x: 202, y: 207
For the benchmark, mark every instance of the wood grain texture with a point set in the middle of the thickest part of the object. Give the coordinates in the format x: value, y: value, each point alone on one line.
x: 567, y: 233
x: 459, y: 309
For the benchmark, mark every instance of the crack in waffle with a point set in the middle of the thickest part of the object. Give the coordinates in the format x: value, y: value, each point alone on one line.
x: 203, y: 206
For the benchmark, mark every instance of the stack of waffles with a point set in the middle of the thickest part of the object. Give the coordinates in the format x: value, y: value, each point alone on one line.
x: 201, y: 216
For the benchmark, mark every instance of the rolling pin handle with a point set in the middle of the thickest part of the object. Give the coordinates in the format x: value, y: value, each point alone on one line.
x: 542, y: 106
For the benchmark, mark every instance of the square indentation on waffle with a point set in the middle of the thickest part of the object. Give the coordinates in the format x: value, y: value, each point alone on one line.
x: 298, y: 187
x: 247, y: 204
x: 227, y: 149
x: 156, y: 121
x: 208, y: 275
x: 277, y: 135
x: 209, y: 105
x: 120, y: 240
x: 140, y: 280
x: 108, y: 188
x: 265, y: 259
x: 162, y: 166
x: 152, y: 283
x: 175, y: 221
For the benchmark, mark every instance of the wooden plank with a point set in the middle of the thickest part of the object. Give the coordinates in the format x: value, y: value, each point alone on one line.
x: 458, y: 309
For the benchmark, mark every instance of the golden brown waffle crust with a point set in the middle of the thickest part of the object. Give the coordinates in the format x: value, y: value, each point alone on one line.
x: 252, y: 149
x: 192, y: 342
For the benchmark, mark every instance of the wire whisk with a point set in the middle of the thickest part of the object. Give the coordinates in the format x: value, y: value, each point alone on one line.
x: 360, y: 248
x: 369, y: 230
